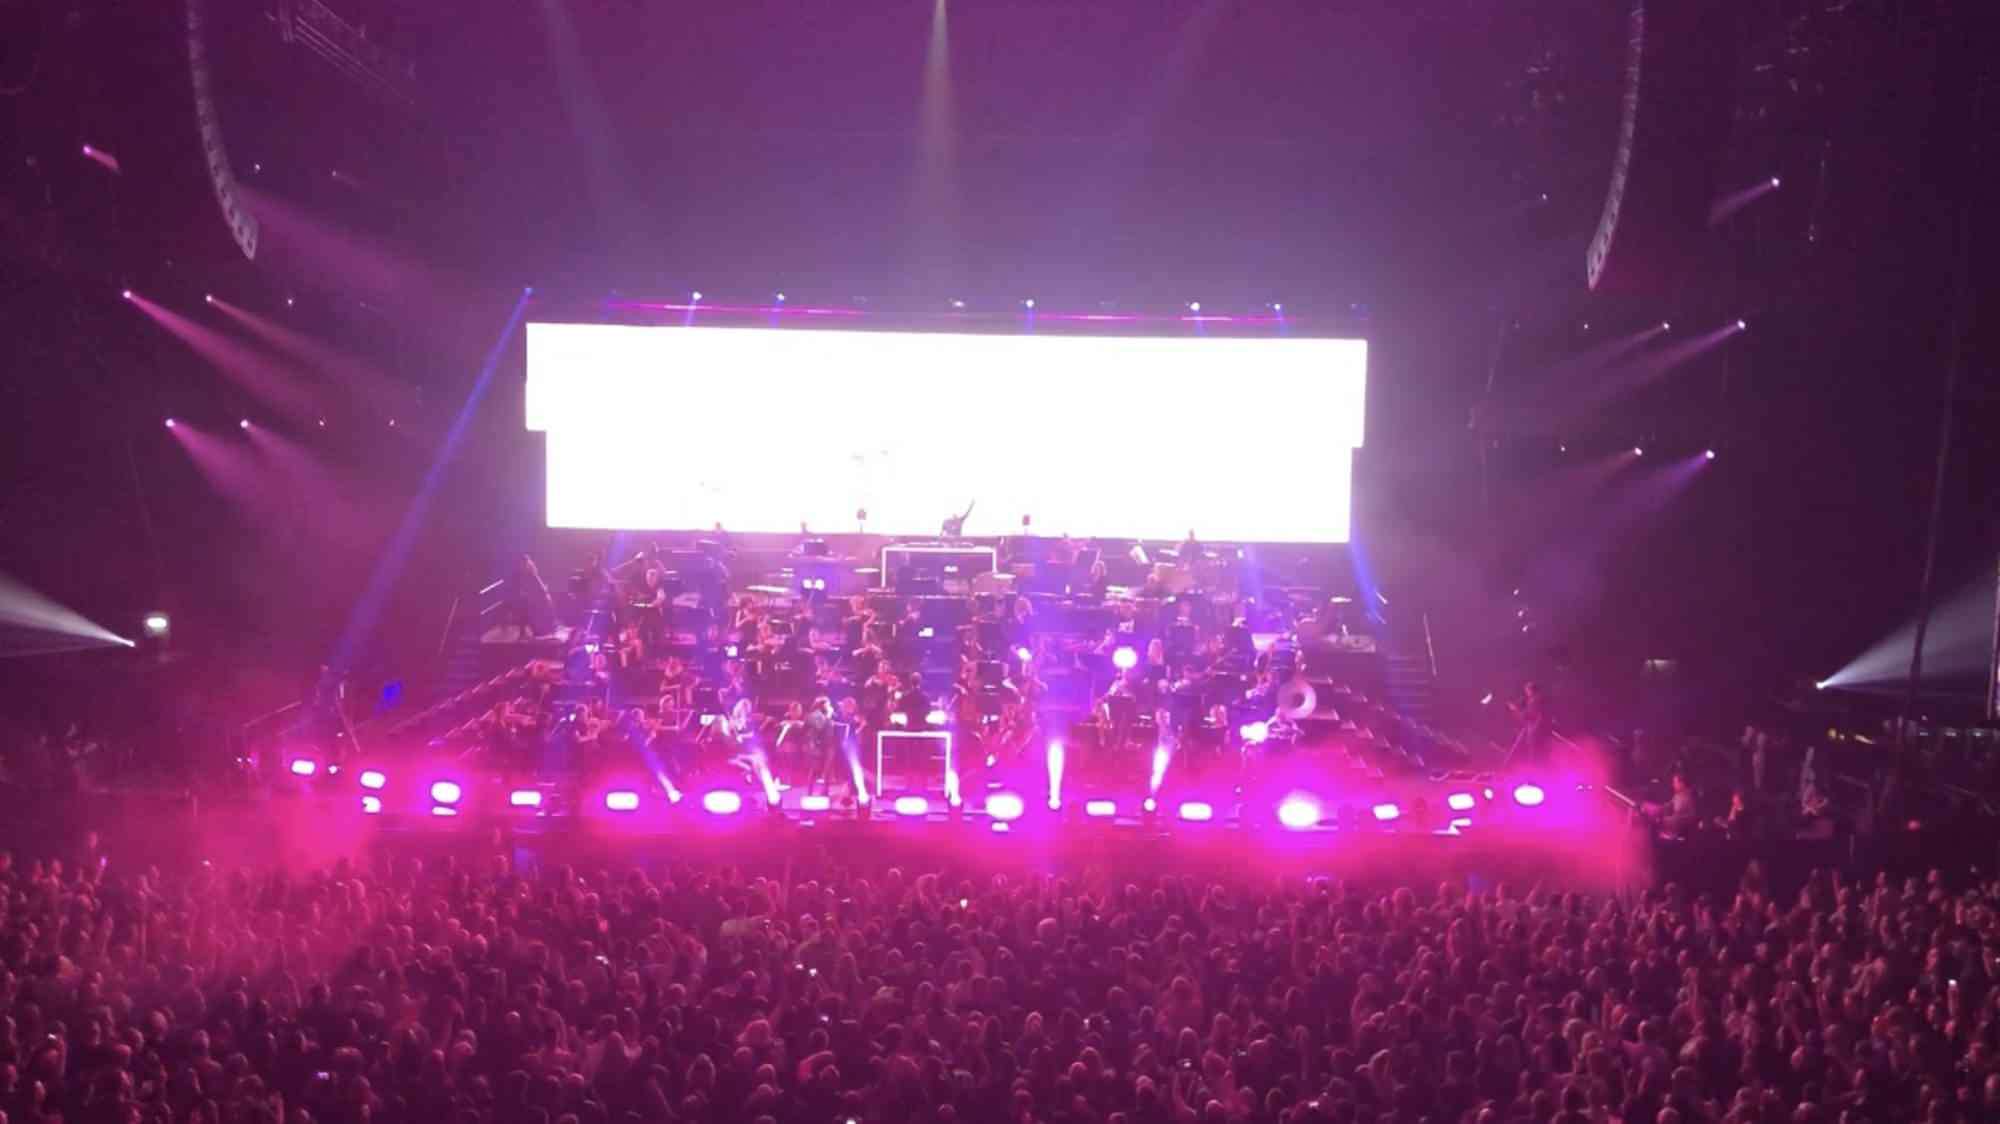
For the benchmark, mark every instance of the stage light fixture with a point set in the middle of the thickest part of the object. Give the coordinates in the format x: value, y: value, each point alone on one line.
x: 1125, y: 659
x: 1637, y: 451
x: 288, y: 302
x: 911, y: 806
x: 1709, y: 453
x: 722, y: 802
x: 622, y: 800
x: 373, y: 778
x: 525, y: 798
x: 1385, y: 813
x: 1023, y: 654
x: 304, y: 766
x: 1665, y: 326
x: 1194, y: 306
x: 1819, y: 684
x: 170, y: 423
x: 1460, y: 801
x: 322, y: 423
x: 1100, y: 809
x: 208, y: 298
x: 1196, y: 811
x: 1055, y: 761
x: 958, y: 304
x: 781, y: 298
x: 815, y: 802
x: 1254, y: 733
x: 937, y: 718
x: 125, y: 294
x: 1776, y: 182
x: 442, y: 810
x: 1298, y: 812
x: 1149, y: 805
x: 1458, y: 825
x: 696, y: 295
x: 1029, y: 304
x: 1742, y: 325
x: 1277, y: 308
x: 371, y: 805
x: 446, y: 792
x: 1005, y: 806
x: 243, y: 424
x: 1529, y: 795
x: 156, y: 625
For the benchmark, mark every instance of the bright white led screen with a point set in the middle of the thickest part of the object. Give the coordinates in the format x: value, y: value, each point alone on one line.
x: 668, y: 428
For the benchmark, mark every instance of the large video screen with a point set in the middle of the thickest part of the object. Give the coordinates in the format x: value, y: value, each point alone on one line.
x: 756, y: 429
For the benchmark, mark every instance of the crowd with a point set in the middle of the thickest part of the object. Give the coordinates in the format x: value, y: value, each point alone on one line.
x: 460, y: 989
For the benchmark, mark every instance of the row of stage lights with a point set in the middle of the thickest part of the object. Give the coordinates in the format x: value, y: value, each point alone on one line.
x: 1029, y: 305
x: 1296, y: 811
x: 246, y: 425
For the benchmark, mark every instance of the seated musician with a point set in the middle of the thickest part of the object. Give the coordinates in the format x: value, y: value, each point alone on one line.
x: 878, y: 693
x: 631, y: 647
x: 1018, y: 733
x: 1027, y: 685
x: 677, y: 685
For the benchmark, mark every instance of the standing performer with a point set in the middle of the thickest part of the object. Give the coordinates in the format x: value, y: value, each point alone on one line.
x: 1531, y: 745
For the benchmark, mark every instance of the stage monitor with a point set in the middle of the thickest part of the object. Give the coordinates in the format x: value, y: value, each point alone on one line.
x: 762, y: 430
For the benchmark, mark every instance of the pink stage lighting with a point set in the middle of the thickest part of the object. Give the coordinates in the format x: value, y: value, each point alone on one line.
x: 1055, y: 774
x: 1161, y: 757
x: 441, y: 810
x: 1100, y: 809
x: 1149, y: 805
x: 1709, y: 453
x: 1005, y: 806
x: 1637, y: 451
x: 1529, y: 795
x: 911, y: 806
x: 125, y: 294
x: 304, y: 766
x: 1299, y: 812
x: 1125, y: 659
x: 1387, y: 812
x: 1023, y: 654
x: 1460, y: 801
x: 446, y: 792
x: 1459, y: 825
x: 623, y: 800
x: 244, y: 424
x: 373, y: 778
x: 1255, y: 732
x: 722, y: 802
x: 815, y: 803
x: 170, y: 423
x: 1194, y: 811
x: 525, y: 798
x: 371, y: 805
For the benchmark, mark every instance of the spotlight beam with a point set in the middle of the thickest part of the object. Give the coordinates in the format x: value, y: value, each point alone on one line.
x: 50, y: 627
x: 361, y: 620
